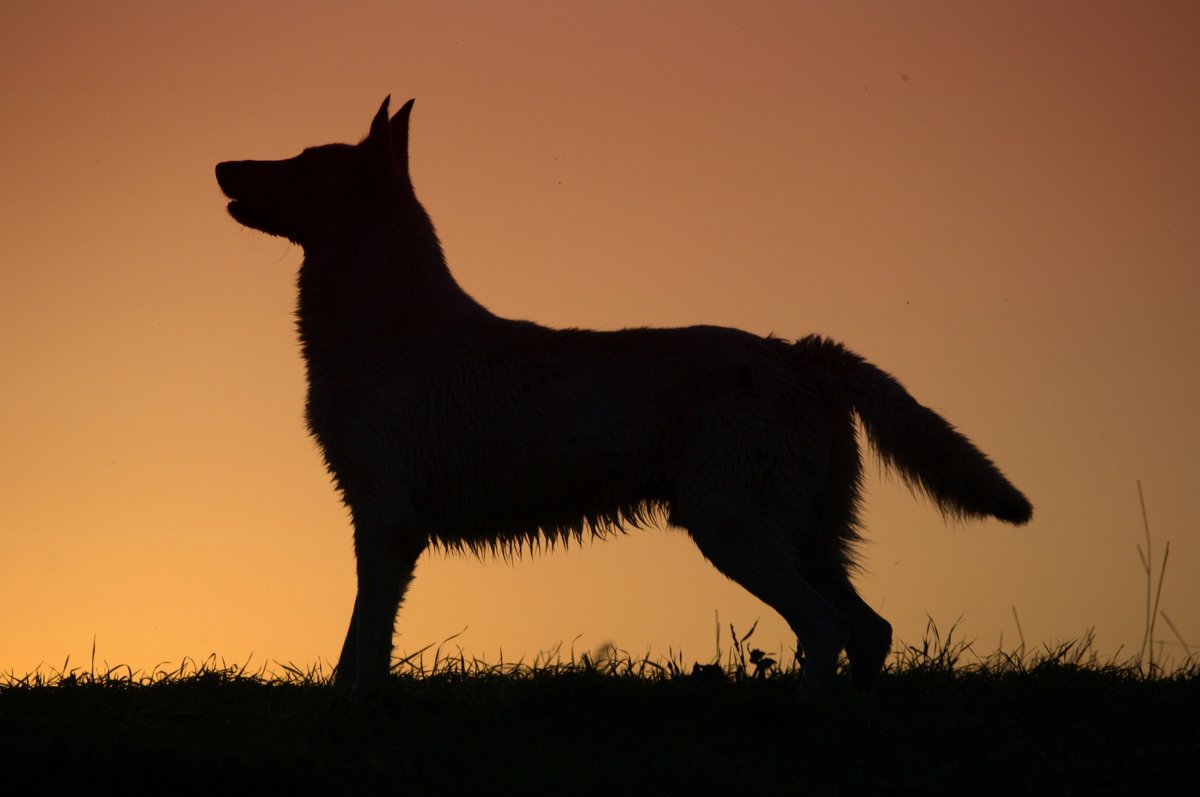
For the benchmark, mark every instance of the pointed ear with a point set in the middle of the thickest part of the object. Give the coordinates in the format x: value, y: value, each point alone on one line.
x: 399, y: 135
x: 379, y: 141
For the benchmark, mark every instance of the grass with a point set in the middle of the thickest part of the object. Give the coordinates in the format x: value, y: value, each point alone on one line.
x: 1059, y: 720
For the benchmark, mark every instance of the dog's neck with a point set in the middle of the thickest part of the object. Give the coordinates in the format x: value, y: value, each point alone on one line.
x: 392, y: 281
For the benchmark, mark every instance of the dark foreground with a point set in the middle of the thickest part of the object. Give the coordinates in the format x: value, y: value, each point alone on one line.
x: 1046, y: 728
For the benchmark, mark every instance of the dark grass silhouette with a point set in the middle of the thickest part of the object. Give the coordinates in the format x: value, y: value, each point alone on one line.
x: 941, y: 720
x: 444, y: 424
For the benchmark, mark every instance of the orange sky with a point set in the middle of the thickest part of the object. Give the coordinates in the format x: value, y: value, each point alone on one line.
x: 997, y: 205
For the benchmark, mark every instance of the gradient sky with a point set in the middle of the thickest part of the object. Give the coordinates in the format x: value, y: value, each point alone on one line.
x: 998, y: 205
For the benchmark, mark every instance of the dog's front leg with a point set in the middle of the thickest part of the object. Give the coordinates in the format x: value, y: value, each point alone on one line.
x: 386, y: 548
x: 344, y: 673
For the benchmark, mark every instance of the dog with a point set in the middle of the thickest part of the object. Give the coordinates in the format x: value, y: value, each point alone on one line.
x: 443, y: 424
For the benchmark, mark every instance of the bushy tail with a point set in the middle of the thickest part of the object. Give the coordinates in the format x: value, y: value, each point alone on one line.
x: 927, y: 452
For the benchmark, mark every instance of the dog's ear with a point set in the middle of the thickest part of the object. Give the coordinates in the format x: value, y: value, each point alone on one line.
x: 399, y: 136
x: 378, y: 142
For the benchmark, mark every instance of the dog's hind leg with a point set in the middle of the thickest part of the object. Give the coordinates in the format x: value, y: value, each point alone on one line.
x: 764, y: 563
x: 386, y: 554
x: 870, y: 640
x: 869, y: 636
x: 824, y: 538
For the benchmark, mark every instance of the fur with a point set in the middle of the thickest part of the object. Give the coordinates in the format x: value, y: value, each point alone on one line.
x: 444, y: 424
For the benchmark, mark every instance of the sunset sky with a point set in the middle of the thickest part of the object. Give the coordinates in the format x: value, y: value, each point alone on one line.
x: 997, y: 203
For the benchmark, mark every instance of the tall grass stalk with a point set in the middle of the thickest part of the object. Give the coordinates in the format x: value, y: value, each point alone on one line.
x: 1153, y: 591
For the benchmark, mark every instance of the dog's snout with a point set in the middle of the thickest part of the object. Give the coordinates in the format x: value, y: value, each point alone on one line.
x: 226, y: 177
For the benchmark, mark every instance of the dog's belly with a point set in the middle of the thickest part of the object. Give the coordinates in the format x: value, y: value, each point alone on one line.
x: 531, y: 495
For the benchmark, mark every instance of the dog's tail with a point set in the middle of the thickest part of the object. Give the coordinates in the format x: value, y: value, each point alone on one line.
x: 929, y: 454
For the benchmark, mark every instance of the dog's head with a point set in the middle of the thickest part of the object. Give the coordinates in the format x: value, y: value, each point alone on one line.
x: 324, y: 192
